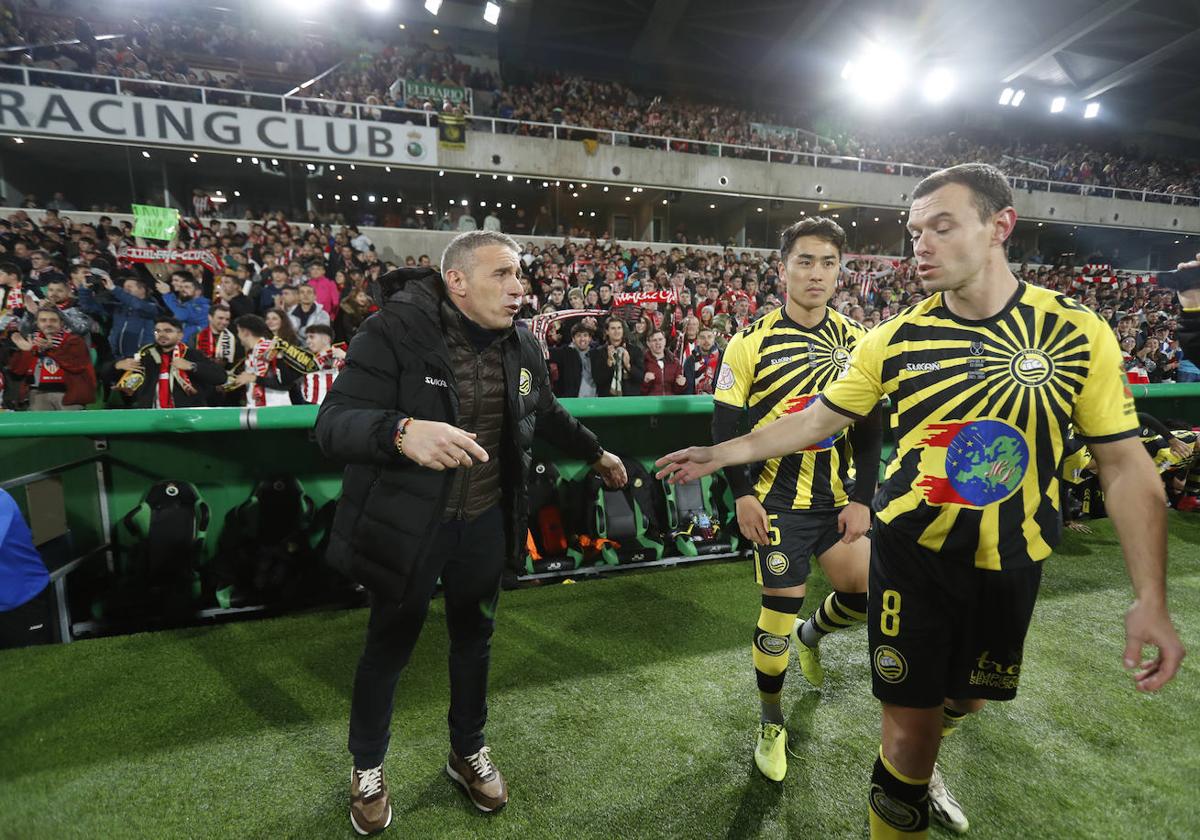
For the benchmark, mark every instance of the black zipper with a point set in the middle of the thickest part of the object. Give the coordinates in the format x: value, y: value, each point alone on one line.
x: 461, y: 513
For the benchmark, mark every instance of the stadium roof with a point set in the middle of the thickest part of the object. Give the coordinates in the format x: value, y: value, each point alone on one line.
x: 1141, y: 58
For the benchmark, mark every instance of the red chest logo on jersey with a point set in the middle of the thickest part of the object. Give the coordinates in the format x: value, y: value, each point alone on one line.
x: 797, y: 404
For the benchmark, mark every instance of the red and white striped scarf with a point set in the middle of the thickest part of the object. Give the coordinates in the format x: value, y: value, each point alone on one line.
x: 218, y: 348
x: 168, y: 375
x: 12, y: 300
x: 260, y: 360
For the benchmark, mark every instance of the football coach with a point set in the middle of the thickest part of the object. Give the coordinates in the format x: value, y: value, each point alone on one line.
x: 435, y: 415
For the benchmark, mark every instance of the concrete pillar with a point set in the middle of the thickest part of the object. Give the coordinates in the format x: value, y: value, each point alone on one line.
x: 12, y: 196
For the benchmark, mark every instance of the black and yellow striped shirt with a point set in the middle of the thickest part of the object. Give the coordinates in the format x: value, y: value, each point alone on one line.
x: 980, y: 413
x: 1159, y: 449
x: 776, y: 367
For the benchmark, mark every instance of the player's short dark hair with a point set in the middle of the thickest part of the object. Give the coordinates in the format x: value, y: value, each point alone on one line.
x: 167, y: 319
x: 319, y: 329
x: 818, y: 226
x: 254, y: 325
x: 989, y: 188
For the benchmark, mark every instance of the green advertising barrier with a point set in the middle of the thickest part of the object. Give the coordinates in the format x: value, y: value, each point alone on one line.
x: 226, y: 451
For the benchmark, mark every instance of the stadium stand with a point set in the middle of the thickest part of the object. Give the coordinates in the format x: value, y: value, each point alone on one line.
x: 723, y: 289
x: 234, y: 63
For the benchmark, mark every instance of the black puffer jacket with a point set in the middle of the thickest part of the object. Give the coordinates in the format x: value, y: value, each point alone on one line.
x: 398, y: 366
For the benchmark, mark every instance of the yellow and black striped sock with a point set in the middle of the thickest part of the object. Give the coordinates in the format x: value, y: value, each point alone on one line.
x: 899, y: 804
x: 838, y: 611
x: 771, y: 650
x: 951, y: 718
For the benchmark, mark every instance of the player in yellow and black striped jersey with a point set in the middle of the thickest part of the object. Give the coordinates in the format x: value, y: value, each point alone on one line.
x: 805, y: 503
x: 984, y: 377
x: 1176, y: 454
x: 778, y: 366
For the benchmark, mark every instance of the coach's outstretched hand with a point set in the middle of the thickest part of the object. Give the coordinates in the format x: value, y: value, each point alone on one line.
x: 688, y: 464
x: 1149, y: 625
x: 610, y: 468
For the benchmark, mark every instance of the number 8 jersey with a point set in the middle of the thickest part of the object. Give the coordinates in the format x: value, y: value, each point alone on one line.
x: 980, y: 412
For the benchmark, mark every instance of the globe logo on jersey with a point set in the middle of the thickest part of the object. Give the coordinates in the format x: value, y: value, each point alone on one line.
x: 797, y: 404
x: 986, y: 461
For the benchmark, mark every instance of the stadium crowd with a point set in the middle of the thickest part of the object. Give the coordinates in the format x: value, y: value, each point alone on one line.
x: 261, y: 315
x: 151, y: 48
x: 162, y: 48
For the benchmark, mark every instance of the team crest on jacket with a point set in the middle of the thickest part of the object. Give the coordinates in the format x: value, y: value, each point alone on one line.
x: 526, y: 384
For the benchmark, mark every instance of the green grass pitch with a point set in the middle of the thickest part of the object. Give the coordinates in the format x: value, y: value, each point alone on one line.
x: 620, y: 708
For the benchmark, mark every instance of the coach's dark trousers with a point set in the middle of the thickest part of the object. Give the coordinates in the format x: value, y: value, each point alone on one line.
x: 469, y: 558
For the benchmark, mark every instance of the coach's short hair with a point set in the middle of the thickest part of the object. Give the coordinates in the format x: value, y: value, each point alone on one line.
x: 818, y: 226
x: 460, y: 253
x: 989, y: 188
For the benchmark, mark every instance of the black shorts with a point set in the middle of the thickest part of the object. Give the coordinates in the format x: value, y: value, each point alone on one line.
x: 796, y: 536
x: 940, y: 627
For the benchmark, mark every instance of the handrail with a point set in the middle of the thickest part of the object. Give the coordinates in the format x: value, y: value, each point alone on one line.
x: 334, y: 107
x: 38, y: 475
x: 113, y: 423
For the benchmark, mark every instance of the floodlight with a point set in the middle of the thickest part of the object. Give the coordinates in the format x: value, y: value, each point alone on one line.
x: 1092, y: 110
x: 939, y: 84
x: 379, y: 5
x: 432, y: 6
x: 1057, y: 104
x: 1006, y: 96
x: 491, y: 13
x: 877, y: 76
x: 1018, y: 97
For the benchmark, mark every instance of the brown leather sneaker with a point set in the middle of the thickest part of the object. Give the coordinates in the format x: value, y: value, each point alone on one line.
x: 480, y: 779
x: 370, y: 806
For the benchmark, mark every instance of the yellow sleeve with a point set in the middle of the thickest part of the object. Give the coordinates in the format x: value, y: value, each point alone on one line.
x: 737, y: 372
x: 858, y: 392
x: 1104, y: 408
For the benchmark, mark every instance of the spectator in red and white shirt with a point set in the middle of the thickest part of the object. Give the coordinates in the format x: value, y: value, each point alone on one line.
x: 314, y: 387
